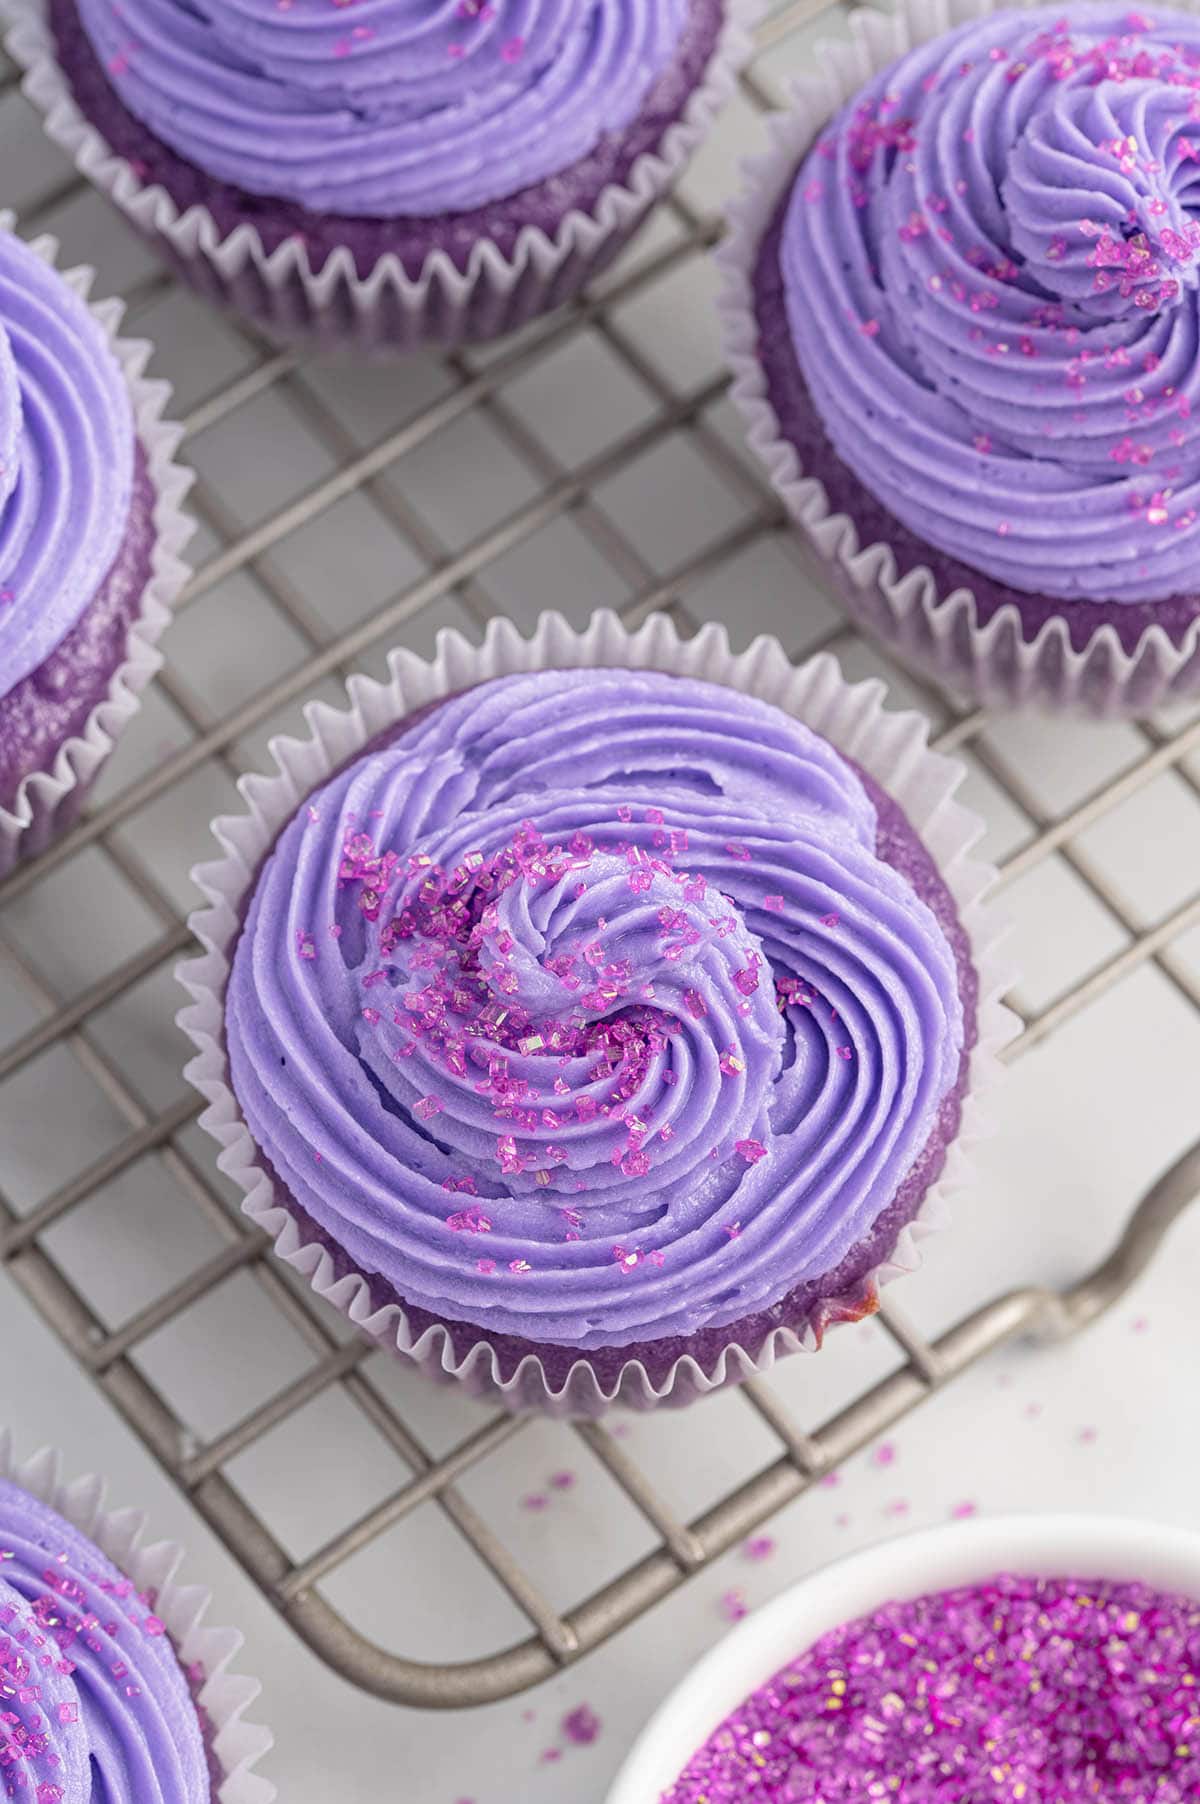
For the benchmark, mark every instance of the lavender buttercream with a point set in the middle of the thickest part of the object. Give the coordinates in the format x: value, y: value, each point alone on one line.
x: 584, y: 1010
x: 413, y: 108
x: 94, y: 1706
x: 66, y: 460
x: 990, y: 262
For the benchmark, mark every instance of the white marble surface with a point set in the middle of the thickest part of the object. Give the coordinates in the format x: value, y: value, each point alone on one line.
x: 1088, y: 1119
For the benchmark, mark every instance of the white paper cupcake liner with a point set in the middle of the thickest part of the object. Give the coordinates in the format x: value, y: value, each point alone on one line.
x: 938, y: 633
x: 225, y: 1695
x: 891, y: 746
x: 48, y: 800
x: 387, y: 309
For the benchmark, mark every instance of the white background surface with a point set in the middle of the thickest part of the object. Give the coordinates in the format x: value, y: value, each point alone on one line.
x: 1088, y: 1119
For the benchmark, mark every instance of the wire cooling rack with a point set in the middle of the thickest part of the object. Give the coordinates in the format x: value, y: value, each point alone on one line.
x: 595, y: 459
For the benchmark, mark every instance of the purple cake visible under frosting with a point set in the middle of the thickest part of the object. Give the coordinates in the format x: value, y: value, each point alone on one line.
x: 429, y: 131
x: 76, y: 515
x: 709, y: 1117
x: 979, y: 320
x: 95, y: 1707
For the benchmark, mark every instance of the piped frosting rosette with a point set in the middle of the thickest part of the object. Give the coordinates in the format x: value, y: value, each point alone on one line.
x: 112, y: 1689
x: 67, y: 442
x: 95, y: 1701
x: 984, y: 224
x: 586, y: 1010
x: 991, y: 261
x: 400, y: 108
x: 390, y: 110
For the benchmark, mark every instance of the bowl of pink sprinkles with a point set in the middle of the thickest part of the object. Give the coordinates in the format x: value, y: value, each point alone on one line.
x: 1012, y: 1660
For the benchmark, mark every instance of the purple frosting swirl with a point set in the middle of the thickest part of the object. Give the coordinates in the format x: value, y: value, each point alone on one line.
x: 585, y: 1011
x: 991, y: 261
x: 94, y: 1706
x: 389, y: 108
x: 66, y: 461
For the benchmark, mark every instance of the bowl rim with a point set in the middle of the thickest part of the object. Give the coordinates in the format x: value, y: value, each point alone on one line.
x: 900, y: 1566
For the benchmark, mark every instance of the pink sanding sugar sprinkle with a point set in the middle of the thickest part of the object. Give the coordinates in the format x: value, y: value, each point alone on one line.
x: 1016, y: 1691
x: 732, y: 1605
x: 750, y: 1150
x: 581, y: 1725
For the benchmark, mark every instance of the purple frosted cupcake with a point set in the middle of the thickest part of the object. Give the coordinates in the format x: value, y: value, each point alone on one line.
x: 89, y: 529
x: 963, y: 316
x: 599, y: 1021
x: 110, y: 1687
x: 405, y: 172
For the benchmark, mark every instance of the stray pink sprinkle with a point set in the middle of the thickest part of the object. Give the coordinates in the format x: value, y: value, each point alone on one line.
x: 870, y: 328
x: 1088, y: 1436
x: 759, y: 1547
x: 485, y: 1266
x: 428, y: 1107
x: 742, y: 853
x: 774, y: 903
x: 884, y: 1454
x: 581, y: 1726
x: 831, y: 1480
x: 549, y: 1755
x: 519, y: 1267
x: 1140, y: 1325
x: 830, y: 920
x: 562, y: 1481
x: 513, y: 51
x: 535, y: 1501
x: 961, y: 1511
x: 732, y: 1605
x: 734, y: 1231
x: 750, y: 1150
x: 899, y: 1506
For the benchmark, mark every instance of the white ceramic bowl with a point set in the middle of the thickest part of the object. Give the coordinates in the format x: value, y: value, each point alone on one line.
x: 906, y: 1566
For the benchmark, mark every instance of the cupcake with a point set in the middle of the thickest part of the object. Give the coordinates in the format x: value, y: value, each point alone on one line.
x: 90, y: 531
x: 410, y: 172
x: 598, y: 1032
x: 962, y: 309
x: 110, y: 1686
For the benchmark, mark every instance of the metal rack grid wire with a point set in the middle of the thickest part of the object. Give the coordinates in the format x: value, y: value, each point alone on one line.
x: 66, y: 1017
